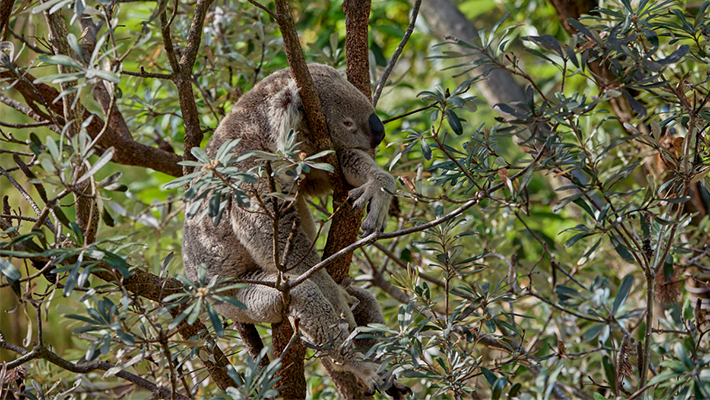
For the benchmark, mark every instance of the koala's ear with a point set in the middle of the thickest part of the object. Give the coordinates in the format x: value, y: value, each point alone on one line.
x: 285, y: 113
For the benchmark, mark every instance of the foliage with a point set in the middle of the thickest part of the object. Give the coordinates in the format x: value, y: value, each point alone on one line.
x: 546, y: 245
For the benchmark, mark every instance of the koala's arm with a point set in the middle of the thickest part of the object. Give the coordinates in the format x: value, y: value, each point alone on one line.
x: 372, y: 184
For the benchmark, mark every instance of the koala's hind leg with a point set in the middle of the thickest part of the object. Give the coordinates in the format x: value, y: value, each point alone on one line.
x: 367, y: 311
x: 255, y: 233
x: 317, y: 321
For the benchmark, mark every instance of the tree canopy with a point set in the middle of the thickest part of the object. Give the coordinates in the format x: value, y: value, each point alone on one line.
x: 548, y: 239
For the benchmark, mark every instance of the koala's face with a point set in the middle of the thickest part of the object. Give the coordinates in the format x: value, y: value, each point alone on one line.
x: 351, y: 118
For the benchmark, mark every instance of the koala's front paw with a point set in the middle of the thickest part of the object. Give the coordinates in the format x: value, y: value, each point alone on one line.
x: 379, y: 196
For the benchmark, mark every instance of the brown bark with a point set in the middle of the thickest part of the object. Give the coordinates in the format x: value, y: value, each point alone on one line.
x: 292, y: 371
x: 357, y: 17
x: 357, y: 20
x: 572, y: 9
x: 5, y: 11
x: 182, y: 73
x: 252, y: 341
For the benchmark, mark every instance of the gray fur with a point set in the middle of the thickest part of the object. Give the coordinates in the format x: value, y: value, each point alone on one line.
x: 241, y: 245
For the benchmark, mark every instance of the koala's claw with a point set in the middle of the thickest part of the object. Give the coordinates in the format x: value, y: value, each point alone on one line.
x: 393, y: 389
x: 367, y: 233
x: 398, y: 391
x: 370, y: 392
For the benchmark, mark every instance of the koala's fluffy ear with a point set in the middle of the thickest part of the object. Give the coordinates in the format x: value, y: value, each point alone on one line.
x: 285, y: 113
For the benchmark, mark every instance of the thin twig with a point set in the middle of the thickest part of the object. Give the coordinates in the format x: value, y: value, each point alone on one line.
x: 263, y: 7
x: 378, y: 235
x: 408, y: 113
x: 395, y: 56
x: 45, y: 354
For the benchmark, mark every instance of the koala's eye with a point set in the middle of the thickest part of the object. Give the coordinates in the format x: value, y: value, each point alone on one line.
x: 348, y: 123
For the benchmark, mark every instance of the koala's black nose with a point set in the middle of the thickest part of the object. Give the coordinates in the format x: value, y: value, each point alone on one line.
x: 377, y: 129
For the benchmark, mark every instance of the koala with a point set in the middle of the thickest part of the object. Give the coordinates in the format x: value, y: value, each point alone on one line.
x: 241, y: 245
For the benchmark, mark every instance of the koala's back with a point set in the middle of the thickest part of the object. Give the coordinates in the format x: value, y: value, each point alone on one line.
x: 217, y: 246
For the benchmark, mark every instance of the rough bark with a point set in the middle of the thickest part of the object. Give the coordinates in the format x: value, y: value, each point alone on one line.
x: 5, y: 11
x: 357, y: 17
x: 357, y: 20
x: 292, y: 369
x: 182, y: 73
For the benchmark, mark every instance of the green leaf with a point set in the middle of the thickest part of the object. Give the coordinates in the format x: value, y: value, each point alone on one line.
x: 216, y: 321
x: 426, y: 150
x: 574, y: 239
x: 623, y: 293
x: 489, y: 375
x: 46, y: 6
x: 200, y: 154
x: 454, y: 122
x: 53, y: 149
x: 181, y: 316
x: 623, y: 251
x: 498, y: 387
x: 592, y: 332
x: 226, y: 148
x: 320, y: 154
x: 12, y: 274
x: 61, y: 59
x: 103, y: 160
x: 74, y: 44
x: 105, y: 75
x: 321, y: 166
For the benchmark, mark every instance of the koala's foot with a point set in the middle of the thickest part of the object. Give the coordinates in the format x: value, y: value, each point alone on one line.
x: 395, y: 390
x: 398, y: 391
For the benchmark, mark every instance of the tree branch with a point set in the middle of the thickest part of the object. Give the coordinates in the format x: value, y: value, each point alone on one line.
x: 182, y: 75
x: 128, y: 151
x: 41, y: 352
x: 383, y: 80
x: 357, y: 16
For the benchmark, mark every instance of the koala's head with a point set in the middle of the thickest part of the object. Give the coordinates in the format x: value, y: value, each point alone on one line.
x: 350, y: 116
x: 351, y: 119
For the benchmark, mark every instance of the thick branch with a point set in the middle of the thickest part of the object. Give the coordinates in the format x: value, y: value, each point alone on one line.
x: 5, y: 11
x: 182, y: 75
x: 357, y: 16
x: 357, y: 20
